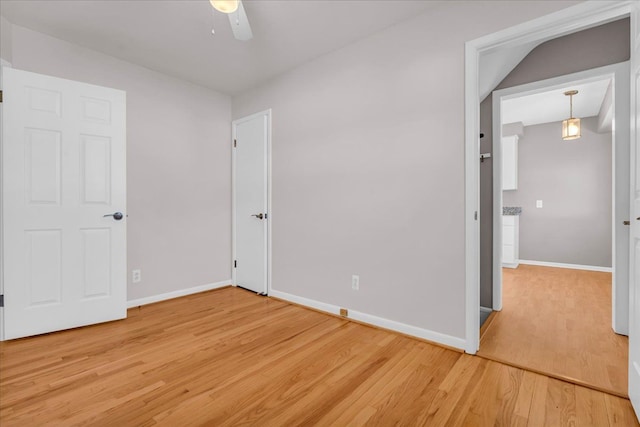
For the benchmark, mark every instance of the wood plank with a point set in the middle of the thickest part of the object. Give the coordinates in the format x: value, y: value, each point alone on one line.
x: 618, y: 412
x: 484, y: 407
x: 591, y: 409
x: 525, y: 395
x: 229, y: 357
x: 538, y: 411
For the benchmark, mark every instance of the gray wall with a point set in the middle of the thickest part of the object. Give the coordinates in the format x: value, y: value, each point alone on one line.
x: 368, y: 167
x: 5, y: 39
x: 178, y: 163
x: 592, y: 48
x: 573, y: 179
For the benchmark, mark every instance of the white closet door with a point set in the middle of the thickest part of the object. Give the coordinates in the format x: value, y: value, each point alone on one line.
x: 250, y: 196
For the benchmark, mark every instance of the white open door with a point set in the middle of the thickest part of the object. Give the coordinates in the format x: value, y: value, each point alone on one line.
x: 64, y: 199
x: 250, y: 200
x: 634, y: 285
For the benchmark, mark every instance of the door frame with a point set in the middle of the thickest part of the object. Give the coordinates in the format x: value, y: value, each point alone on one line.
x: 563, y: 22
x: 3, y: 63
x: 265, y: 113
x: 619, y: 74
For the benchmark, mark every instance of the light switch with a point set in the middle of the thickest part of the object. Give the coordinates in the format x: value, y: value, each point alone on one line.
x: 538, y: 203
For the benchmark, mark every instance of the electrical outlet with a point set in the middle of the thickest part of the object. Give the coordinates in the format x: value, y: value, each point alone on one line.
x: 355, y: 282
x: 344, y: 312
x: 136, y: 276
x: 538, y: 204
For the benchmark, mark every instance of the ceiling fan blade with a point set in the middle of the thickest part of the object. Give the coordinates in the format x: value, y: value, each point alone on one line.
x: 240, y: 24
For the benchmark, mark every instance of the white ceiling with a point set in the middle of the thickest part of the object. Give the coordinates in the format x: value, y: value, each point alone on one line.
x: 174, y: 36
x: 553, y: 106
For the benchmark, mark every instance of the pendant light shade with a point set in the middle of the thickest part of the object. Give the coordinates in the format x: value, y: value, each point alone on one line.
x: 571, y: 126
x: 225, y: 6
x: 570, y: 129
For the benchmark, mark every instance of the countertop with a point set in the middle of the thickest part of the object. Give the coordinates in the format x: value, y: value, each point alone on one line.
x: 511, y: 210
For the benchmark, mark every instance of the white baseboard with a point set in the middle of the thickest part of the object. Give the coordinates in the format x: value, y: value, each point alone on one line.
x: 510, y: 264
x: 327, y: 308
x: 415, y: 331
x: 177, y: 294
x: 570, y: 266
x: 485, y: 309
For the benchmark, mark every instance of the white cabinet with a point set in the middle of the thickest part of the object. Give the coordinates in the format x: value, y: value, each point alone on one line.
x: 510, y: 241
x: 510, y: 162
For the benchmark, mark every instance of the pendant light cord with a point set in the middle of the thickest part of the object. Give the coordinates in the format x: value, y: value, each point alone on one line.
x: 571, y: 106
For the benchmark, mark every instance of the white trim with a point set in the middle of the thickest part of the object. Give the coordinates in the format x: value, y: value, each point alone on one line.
x: 268, y: 261
x: 566, y: 21
x: 615, y: 72
x: 496, y: 150
x: 233, y: 204
x: 472, y: 200
x: 392, y: 325
x: 269, y: 210
x: 485, y: 309
x: 3, y: 63
x: 563, y: 22
x: 177, y: 294
x: 317, y: 305
x: 569, y: 266
x: 634, y: 284
x: 619, y: 75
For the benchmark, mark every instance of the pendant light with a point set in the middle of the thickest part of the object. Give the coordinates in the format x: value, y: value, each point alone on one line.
x: 571, y: 126
x: 225, y: 6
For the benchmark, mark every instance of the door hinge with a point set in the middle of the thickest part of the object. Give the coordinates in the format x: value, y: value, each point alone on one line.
x: 1, y: 300
x: 0, y: 96
x: 235, y: 263
x: 235, y: 143
x: 475, y: 215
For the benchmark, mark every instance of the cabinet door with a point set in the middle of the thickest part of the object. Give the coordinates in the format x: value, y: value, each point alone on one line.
x: 510, y: 240
x: 510, y: 162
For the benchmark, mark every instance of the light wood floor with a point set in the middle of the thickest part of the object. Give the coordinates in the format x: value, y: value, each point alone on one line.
x: 558, y: 321
x: 229, y: 357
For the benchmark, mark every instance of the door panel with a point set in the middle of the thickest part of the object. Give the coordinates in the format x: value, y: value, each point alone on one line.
x: 44, y: 100
x: 96, y: 110
x: 42, y: 158
x: 44, y: 267
x: 95, y: 169
x: 96, y: 262
x: 63, y: 166
x: 250, y: 178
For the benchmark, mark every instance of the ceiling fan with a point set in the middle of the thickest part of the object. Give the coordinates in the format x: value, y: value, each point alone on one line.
x: 237, y: 17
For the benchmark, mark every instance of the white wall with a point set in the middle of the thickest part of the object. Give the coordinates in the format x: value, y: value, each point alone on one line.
x: 368, y: 167
x: 178, y: 163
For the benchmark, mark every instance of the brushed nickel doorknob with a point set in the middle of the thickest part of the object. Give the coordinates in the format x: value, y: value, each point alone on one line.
x: 117, y: 216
